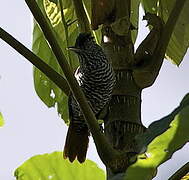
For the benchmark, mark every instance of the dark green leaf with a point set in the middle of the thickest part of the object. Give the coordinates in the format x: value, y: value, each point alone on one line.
x: 53, y: 166
x: 158, y: 127
x: 179, y: 42
x: 48, y: 92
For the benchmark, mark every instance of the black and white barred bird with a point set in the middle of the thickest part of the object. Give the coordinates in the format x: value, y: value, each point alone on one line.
x: 96, y: 78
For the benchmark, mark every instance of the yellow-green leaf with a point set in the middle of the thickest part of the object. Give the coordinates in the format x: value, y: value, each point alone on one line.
x: 1, y: 120
x: 54, y: 167
x: 164, y: 137
x: 48, y: 92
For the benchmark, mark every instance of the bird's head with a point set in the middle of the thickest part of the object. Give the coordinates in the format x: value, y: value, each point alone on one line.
x: 86, y: 48
x: 84, y: 43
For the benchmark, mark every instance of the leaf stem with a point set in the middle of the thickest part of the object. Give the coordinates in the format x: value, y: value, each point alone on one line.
x: 105, y: 150
x: 36, y: 61
x: 83, y: 22
x: 66, y: 32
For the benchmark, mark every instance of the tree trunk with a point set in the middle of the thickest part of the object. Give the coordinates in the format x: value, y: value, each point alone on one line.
x: 133, y: 72
x: 123, y: 121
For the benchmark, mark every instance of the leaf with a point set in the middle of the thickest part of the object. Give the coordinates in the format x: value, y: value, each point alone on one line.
x: 53, y: 166
x: 186, y: 177
x: 179, y: 41
x: 158, y: 127
x: 164, y: 137
x: 48, y: 92
x: 1, y: 120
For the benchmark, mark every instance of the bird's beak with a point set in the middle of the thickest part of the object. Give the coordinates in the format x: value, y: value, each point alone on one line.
x: 74, y: 49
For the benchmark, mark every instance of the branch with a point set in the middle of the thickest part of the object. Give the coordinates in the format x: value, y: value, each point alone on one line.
x: 83, y: 22
x: 36, y: 61
x: 106, y: 152
x: 180, y: 173
x: 65, y: 31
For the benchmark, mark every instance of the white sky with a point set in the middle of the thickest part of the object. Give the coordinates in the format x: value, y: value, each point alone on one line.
x: 31, y: 128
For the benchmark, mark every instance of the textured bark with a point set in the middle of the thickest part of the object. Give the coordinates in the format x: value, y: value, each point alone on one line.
x: 123, y: 121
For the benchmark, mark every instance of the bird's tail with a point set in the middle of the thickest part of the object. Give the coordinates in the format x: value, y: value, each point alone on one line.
x: 76, y: 145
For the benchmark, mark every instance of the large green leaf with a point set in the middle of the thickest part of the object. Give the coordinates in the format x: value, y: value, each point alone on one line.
x: 1, y: 120
x: 158, y: 127
x: 53, y: 166
x: 164, y: 137
x: 179, y: 42
x: 66, y: 34
x: 48, y: 92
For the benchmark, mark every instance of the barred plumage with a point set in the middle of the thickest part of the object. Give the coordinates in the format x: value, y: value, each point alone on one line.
x: 96, y: 78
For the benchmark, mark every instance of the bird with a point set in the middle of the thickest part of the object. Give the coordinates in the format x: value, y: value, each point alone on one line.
x: 96, y: 78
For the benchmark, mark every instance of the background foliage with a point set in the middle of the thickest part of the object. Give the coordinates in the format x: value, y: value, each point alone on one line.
x: 179, y: 42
